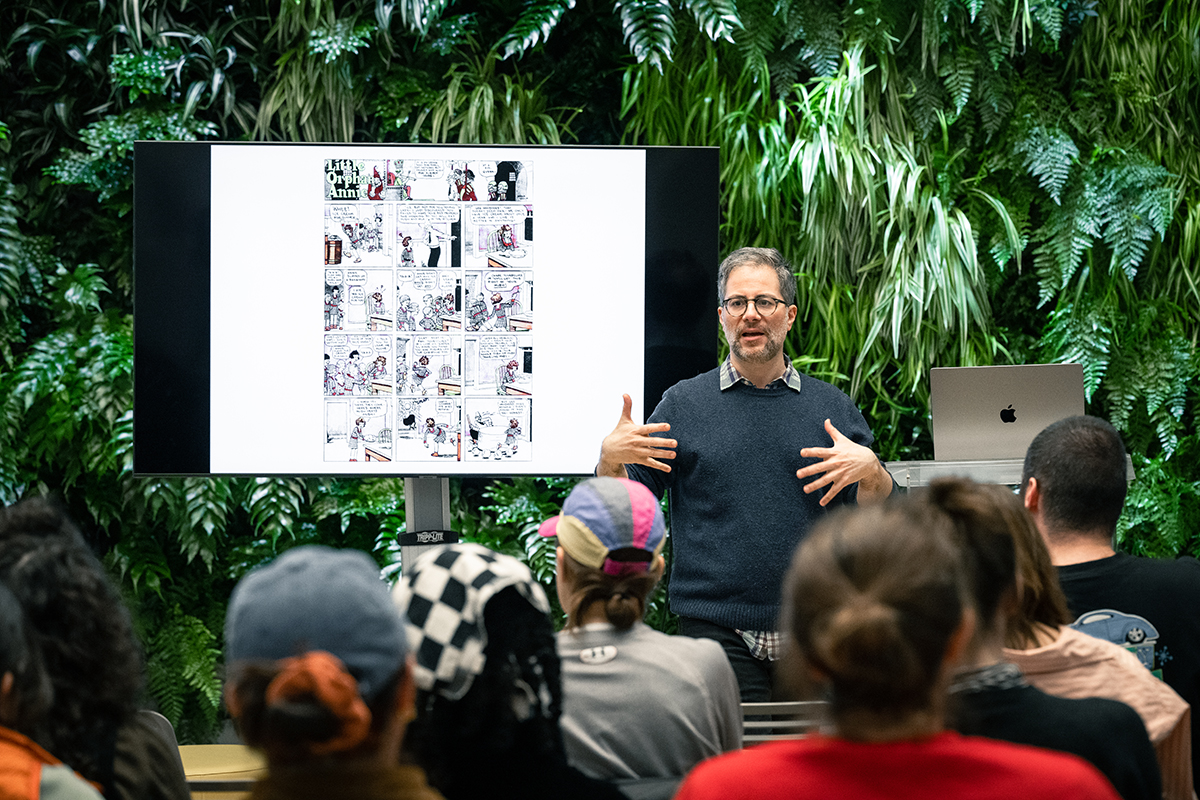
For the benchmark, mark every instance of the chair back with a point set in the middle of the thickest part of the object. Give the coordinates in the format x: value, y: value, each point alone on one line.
x: 764, y: 722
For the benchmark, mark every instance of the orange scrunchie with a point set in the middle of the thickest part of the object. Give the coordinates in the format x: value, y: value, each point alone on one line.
x: 324, y: 676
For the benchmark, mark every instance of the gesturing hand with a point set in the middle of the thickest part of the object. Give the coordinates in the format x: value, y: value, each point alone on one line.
x: 630, y: 443
x: 845, y: 463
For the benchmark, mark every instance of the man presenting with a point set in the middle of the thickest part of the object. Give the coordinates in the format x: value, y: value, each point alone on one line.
x: 1074, y: 485
x: 747, y: 437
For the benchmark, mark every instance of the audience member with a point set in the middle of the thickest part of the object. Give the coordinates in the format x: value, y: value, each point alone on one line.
x: 1074, y: 485
x: 27, y: 771
x: 875, y: 604
x: 489, y: 687
x: 989, y: 697
x: 83, y: 632
x: 1062, y: 661
x: 637, y: 703
x: 319, y: 681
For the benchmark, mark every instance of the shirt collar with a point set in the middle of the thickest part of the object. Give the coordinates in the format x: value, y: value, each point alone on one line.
x: 730, y: 377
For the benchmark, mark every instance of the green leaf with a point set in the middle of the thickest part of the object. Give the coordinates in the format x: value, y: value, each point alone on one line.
x: 1049, y: 154
x: 537, y: 19
x: 717, y: 18
x: 648, y: 27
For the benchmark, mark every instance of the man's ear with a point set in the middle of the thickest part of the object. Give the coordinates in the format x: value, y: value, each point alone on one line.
x: 1032, y: 495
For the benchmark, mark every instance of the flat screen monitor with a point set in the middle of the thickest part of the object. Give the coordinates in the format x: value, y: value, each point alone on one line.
x: 412, y: 309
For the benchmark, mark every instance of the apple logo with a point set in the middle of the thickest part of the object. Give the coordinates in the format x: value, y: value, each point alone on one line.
x: 1007, y: 414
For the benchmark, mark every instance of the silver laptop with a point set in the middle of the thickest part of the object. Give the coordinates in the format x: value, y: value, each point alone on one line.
x: 982, y: 413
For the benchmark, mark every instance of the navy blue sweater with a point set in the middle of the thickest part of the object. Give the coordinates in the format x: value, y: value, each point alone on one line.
x: 737, y: 508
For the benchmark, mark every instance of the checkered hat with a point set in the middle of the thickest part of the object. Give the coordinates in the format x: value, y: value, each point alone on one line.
x: 606, y: 514
x: 443, y: 596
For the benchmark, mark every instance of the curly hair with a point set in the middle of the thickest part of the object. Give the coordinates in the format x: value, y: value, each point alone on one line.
x: 81, y: 628
x: 19, y: 656
x: 509, y: 719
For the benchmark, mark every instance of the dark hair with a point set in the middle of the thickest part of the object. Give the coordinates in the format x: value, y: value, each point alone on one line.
x: 760, y: 256
x: 982, y: 518
x: 81, y: 628
x: 623, y: 596
x: 501, y: 746
x: 872, y: 598
x: 19, y: 655
x: 1079, y: 463
x: 1041, y: 598
x: 286, y: 731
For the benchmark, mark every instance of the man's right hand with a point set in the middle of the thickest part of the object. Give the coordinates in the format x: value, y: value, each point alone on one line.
x: 630, y: 443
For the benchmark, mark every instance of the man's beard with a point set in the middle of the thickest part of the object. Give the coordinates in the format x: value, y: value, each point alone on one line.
x: 772, y: 346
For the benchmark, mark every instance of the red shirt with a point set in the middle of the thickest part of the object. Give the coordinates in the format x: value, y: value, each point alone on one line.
x: 947, y: 766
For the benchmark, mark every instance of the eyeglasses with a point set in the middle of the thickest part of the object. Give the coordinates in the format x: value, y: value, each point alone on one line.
x: 763, y: 304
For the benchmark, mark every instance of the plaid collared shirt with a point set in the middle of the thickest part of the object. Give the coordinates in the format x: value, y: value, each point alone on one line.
x: 730, y: 377
x: 764, y: 645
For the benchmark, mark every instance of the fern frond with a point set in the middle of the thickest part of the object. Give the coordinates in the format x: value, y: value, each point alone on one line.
x: 1049, y: 15
x: 534, y: 24
x: 958, y: 74
x: 649, y: 29
x: 925, y: 101
x: 1049, y: 155
x: 1136, y: 201
x: 819, y: 25
x: 717, y: 18
x: 275, y: 506
x: 1080, y: 334
x: 418, y: 15
x: 756, y: 40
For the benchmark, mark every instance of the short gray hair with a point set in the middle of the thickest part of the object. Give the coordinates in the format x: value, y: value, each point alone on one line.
x: 762, y: 256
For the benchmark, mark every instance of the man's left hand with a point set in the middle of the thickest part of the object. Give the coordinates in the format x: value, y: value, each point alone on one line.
x: 846, y: 462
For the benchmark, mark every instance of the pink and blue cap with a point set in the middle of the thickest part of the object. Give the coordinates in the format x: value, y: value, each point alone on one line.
x: 602, y: 515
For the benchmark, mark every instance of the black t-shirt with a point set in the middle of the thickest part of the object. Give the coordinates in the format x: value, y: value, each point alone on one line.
x: 1106, y: 733
x: 1152, y: 608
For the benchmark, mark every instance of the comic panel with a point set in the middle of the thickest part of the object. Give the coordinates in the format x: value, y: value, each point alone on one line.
x: 432, y: 365
x: 427, y: 236
x: 499, y: 237
x: 497, y: 429
x: 358, y: 429
x: 456, y: 181
x: 358, y: 364
x: 430, y: 427
x: 499, y: 364
x: 365, y: 301
x: 335, y: 299
x: 428, y: 300
x: 356, y: 233
x: 499, y: 300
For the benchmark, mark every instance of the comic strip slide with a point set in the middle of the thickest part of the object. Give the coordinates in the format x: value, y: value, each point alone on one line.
x: 499, y: 364
x: 358, y: 365
x: 430, y: 427
x: 359, y: 300
x: 428, y: 300
x: 499, y: 300
x: 356, y: 234
x: 498, y: 237
x: 427, y: 236
x: 348, y: 179
x: 359, y: 429
x: 497, y: 429
x: 431, y: 364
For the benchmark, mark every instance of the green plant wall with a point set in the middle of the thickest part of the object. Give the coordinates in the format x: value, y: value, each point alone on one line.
x: 956, y: 181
